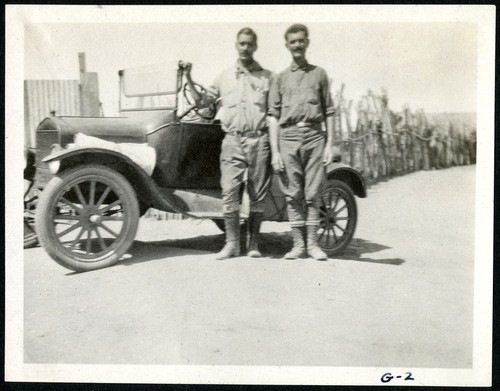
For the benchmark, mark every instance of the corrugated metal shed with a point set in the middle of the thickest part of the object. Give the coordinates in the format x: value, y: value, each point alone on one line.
x: 43, y: 96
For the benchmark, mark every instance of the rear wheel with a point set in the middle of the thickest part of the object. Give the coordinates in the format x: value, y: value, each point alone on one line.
x: 338, y: 216
x: 87, y: 217
x: 30, y: 201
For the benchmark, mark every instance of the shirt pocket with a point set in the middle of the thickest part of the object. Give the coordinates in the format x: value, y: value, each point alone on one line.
x: 230, y: 99
x: 313, y: 104
x: 312, y: 96
x: 228, y: 112
x: 260, y: 94
x: 286, y: 97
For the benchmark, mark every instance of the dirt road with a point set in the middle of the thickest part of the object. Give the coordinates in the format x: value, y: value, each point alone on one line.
x: 400, y: 295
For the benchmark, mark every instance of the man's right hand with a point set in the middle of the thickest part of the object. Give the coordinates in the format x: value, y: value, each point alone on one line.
x: 186, y: 67
x: 277, y: 163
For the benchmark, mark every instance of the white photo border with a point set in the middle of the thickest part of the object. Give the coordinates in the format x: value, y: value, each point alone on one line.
x: 16, y: 370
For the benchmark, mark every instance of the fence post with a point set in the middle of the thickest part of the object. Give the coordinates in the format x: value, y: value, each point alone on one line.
x: 371, y: 141
x: 350, y: 145
x: 360, y: 131
x: 89, y: 90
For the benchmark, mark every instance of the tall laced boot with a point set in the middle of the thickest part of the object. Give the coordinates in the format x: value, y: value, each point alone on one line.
x: 232, y: 246
x: 254, y: 222
x: 299, y: 247
x: 313, y: 249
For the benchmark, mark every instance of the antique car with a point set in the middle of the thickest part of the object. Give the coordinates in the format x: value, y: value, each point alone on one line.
x: 92, y: 193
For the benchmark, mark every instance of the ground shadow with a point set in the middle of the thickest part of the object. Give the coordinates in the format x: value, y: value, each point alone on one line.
x: 356, y: 250
x: 141, y: 252
x: 273, y: 245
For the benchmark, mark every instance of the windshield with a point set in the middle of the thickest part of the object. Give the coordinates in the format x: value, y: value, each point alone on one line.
x: 149, y: 87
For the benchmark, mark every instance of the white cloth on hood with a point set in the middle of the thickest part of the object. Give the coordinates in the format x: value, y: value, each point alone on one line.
x: 141, y: 154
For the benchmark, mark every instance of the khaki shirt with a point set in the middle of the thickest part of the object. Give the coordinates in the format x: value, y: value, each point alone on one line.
x: 244, y: 97
x: 301, y: 95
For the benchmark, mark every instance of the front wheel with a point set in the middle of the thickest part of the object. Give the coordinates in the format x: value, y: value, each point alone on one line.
x: 338, y: 216
x: 87, y: 217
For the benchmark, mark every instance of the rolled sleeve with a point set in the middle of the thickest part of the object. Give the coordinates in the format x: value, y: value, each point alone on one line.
x: 212, y: 93
x: 326, y: 96
x: 274, y: 100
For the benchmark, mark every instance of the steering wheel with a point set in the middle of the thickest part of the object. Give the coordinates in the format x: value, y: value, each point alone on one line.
x: 201, y: 91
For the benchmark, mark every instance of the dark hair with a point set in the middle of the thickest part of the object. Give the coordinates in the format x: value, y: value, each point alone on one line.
x: 247, y: 31
x: 295, y: 28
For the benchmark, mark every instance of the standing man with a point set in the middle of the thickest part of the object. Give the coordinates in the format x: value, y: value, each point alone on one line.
x: 300, y: 99
x: 243, y: 90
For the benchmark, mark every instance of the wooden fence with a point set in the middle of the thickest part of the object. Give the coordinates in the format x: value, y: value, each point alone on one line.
x: 384, y: 143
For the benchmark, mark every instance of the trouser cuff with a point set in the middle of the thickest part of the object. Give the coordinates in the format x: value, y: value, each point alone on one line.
x: 312, y: 213
x: 231, y: 207
x: 257, y: 207
x: 295, y: 213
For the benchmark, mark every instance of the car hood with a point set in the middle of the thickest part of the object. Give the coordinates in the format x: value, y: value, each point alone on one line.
x: 116, y: 129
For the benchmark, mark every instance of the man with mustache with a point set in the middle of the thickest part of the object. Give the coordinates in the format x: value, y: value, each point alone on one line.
x: 243, y: 91
x: 300, y: 99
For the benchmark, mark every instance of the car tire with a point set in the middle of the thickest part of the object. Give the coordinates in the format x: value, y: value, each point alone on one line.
x: 85, y: 202
x: 338, y: 217
x: 30, y: 236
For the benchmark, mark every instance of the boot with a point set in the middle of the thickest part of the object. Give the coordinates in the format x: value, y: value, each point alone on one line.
x: 299, y: 248
x: 313, y: 249
x: 232, y: 247
x: 254, y: 222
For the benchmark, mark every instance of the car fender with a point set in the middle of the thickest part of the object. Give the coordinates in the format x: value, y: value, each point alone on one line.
x: 349, y: 176
x: 81, y: 155
x: 146, y: 189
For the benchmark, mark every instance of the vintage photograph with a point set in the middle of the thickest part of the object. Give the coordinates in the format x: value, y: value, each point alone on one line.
x: 250, y: 195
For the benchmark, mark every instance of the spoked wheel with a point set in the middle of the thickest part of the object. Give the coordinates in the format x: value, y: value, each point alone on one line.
x: 30, y: 201
x: 87, y: 217
x: 338, y: 215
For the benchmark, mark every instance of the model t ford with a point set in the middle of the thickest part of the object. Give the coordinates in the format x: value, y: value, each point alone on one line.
x: 97, y: 176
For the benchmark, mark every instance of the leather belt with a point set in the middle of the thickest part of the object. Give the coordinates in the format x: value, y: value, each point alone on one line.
x: 302, y: 124
x: 249, y: 133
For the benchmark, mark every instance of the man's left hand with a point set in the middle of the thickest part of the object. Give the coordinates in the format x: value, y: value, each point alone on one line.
x: 327, y: 156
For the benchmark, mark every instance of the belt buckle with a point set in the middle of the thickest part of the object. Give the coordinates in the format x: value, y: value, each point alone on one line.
x: 248, y: 133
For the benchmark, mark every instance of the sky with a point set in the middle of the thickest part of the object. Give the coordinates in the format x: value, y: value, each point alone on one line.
x: 429, y: 65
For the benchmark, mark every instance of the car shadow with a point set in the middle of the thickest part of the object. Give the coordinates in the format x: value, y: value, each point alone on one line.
x: 357, y: 249
x: 272, y: 245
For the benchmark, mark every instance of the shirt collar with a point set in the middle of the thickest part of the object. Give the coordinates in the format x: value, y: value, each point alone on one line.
x: 294, y: 66
x: 253, y: 67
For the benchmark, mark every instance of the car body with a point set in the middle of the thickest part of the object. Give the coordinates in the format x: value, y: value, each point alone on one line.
x: 87, y: 187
